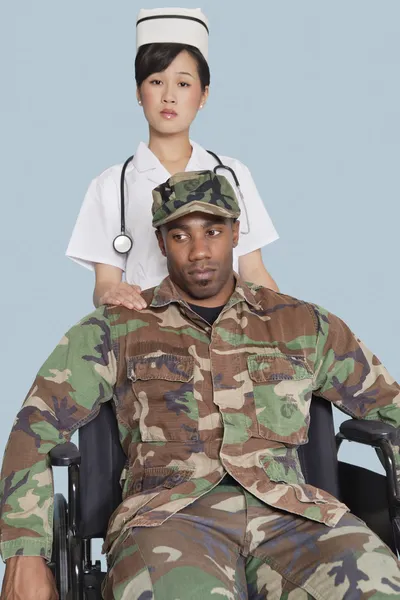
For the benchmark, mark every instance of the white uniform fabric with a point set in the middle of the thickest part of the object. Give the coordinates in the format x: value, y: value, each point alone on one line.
x: 99, y: 220
x: 178, y: 25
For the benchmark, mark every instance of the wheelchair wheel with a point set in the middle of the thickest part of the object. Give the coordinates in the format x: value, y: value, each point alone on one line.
x: 60, y: 546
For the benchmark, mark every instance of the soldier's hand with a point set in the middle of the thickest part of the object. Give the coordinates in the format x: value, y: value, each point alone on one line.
x: 28, y: 578
x: 124, y: 294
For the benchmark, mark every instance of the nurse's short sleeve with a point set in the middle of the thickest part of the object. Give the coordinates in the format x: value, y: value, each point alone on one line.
x: 256, y: 227
x: 97, y: 225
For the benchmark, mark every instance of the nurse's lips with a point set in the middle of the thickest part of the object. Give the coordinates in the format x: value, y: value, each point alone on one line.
x: 168, y: 114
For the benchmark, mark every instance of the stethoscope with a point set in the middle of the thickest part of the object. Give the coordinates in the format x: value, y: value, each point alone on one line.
x: 123, y: 242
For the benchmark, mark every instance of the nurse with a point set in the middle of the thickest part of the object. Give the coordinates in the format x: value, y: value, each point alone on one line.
x: 172, y: 77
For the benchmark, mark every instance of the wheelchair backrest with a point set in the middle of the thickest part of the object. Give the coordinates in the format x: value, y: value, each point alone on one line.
x: 102, y: 462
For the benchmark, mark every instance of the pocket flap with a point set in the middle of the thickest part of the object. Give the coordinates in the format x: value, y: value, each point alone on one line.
x: 167, y: 477
x: 159, y: 365
x: 267, y: 368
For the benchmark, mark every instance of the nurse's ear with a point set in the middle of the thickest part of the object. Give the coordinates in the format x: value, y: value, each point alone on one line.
x: 160, y: 241
x: 138, y: 98
x: 204, y: 97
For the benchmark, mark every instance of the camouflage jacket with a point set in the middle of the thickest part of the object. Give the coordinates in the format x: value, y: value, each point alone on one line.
x: 193, y: 402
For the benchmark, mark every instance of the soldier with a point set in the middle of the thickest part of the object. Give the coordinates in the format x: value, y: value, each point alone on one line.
x: 212, y: 385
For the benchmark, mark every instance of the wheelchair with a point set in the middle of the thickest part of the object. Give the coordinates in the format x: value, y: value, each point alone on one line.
x: 94, y: 491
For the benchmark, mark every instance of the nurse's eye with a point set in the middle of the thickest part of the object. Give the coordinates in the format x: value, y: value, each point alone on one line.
x: 184, y: 84
x: 155, y: 82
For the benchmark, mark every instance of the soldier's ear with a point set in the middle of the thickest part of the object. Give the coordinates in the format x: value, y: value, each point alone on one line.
x: 235, y: 233
x: 160, y: 241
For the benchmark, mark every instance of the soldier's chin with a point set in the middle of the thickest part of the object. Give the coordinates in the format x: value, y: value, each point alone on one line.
x: 203, y: 289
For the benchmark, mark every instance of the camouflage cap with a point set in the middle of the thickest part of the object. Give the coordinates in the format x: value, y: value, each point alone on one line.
x: 202, y: 191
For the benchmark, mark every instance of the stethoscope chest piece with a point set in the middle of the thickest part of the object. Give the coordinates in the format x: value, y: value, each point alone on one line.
x: 122, y: 243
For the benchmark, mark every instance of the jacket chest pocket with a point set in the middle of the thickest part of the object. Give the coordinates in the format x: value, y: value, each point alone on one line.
x: 282, y: 388
x: 163, y: 386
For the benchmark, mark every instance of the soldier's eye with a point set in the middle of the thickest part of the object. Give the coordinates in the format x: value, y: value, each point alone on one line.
x: 213, y: 232
x: 155, y: 81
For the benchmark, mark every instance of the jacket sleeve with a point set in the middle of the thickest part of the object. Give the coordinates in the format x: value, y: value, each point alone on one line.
x: 352, y: 378
x: 77, y: 377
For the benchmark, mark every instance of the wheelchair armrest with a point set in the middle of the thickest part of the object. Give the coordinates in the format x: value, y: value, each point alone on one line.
x: 65, y: 455
x: 372, y: 433
x: 378, y: 435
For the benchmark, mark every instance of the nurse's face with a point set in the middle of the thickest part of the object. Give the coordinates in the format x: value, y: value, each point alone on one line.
x: 199, y: 251
x: 171, y: 99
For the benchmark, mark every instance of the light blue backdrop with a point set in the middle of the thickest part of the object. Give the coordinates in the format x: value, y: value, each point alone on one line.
x: 307, y: 94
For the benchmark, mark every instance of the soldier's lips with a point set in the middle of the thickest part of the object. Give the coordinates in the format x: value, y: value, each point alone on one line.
x: 201, y: 274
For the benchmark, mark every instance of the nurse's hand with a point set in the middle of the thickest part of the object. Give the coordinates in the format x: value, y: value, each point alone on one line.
x: 123, y: 294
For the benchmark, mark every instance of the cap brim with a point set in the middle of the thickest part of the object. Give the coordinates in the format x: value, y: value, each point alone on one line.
x: 198, y: 206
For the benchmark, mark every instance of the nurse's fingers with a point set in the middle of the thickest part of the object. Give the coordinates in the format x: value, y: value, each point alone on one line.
x: 125, y: 295
x: 135, y: 297
x: 131, y: 300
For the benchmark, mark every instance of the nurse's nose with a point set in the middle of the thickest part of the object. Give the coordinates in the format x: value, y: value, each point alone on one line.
x: 168, y: 96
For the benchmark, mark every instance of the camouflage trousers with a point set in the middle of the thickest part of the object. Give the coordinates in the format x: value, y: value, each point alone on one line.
x: 229, y: 545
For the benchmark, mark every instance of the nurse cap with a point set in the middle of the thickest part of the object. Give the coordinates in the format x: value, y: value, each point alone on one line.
x: 194, y: 191
x: 173, y: 25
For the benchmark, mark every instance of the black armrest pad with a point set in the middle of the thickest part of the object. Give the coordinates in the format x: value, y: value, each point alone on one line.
x: 65, y: 455
x: 368, y: 432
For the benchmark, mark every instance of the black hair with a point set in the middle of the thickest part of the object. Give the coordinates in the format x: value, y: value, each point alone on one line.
x: 155, y: 58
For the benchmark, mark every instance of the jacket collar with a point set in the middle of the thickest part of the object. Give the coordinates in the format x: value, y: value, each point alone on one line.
x: 166, y: 293
x: 144, y: 159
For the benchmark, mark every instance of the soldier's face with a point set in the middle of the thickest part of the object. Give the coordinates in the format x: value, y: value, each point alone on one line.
x: 199, y: 252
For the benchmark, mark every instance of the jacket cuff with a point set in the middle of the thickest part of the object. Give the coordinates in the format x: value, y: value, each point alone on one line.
x: 26, y: 546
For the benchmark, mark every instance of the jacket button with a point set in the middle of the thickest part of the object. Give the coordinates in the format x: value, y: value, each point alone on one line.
x: 137, y: 486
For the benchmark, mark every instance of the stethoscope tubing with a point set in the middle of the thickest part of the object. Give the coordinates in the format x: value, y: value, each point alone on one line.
x: 122, y: 192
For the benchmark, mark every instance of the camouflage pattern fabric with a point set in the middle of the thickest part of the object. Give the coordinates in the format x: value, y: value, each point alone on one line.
x: 184, y: 193
x: 229, y: 545
x: 193, y: 403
